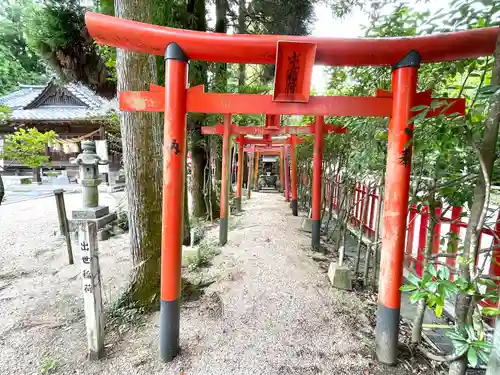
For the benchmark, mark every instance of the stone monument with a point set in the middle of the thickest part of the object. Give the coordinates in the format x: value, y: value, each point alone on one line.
x: 89, y: 162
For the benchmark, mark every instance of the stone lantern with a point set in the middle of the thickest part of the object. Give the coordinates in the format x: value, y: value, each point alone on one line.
x: 88, y: 162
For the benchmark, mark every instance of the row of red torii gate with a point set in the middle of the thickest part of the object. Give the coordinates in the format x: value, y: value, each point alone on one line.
x: 294, y: 58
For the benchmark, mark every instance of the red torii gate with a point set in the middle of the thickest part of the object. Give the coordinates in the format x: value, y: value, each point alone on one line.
x: 271, y: 127
x: 291, y: 96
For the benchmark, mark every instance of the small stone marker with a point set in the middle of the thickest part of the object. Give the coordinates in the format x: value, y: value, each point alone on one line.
x: 306, y: 225
x: 91, y: 284
x: 339, y: 275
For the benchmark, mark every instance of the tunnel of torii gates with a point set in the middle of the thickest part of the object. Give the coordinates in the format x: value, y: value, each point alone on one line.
x: 267, y: 146
x: 294, y: 58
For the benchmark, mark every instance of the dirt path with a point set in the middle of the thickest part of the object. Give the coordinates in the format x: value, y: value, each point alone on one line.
x: 270, y: 311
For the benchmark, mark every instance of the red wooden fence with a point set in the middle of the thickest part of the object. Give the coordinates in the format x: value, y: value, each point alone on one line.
x: 448, y: 231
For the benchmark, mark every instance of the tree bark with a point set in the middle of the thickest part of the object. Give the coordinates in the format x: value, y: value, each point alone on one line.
x: 487, y: 155
x: 198, y: 143
x: 221, y: 27
x: 242, y: 29
x: 142, y: 158
x: 2, y: 190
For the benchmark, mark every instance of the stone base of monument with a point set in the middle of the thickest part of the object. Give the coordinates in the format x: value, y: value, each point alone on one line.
x: 103, y: 234
x: 340, y: 276
x: 100, y: 215
x: 306, y: 225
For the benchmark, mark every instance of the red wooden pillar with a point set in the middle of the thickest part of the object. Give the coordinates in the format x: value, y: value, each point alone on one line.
x: 250, y: 173
x: 422, y: 239
x: 397, y: 185
x: 287, y: 174
x: 456, y: 214
x: 239, y: 179
x: 174, y: 159
x: 366, y: 196
x: 226, y: 175
x: 316, y: 183
x: 256, y: 172
x: 293, y: 157
x: 282, y: 176
x: 372, y: 210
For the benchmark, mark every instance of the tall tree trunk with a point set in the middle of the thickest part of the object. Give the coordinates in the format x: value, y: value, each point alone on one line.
x: 242, y: 29
x: 142, y: 157
x: 487, y: 155
x: 2, y: 189
x: 186, y: 239
x: 221, y: 27
x: 198, y: 143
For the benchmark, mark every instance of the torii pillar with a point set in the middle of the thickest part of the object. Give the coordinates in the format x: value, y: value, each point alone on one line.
x: 316, y: 183
x: 397, y: 187
x: 250, y: 174
x: 287, y: 173
x: 239, y: 179
x: 174, y: 159
x: 225, y: 182
x: 293, y: 161
x: 282, y: 178
x: 256, y: 172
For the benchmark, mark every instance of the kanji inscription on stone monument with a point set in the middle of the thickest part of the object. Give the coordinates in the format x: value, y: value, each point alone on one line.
x: 91, y: 285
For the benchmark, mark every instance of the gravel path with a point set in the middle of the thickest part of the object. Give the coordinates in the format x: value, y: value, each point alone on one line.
x: 270, y: 311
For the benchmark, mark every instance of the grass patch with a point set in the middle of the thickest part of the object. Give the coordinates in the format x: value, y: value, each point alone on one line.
x: 205, y: 252
x: 48, y: 365
x: 121, y: 318
x: 191, y: 291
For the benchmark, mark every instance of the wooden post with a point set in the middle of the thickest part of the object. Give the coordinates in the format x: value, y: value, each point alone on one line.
x: 287, y: 173
x: 63, y: 221
x: 239, y: 179
x: 226, y: 181
x: 397, y: 188
x: 256, y: 172
x: 250, y: 174
x: 316, y: 183
x: 174, y: 168
x: 91, y: 284
x: 293, y: 160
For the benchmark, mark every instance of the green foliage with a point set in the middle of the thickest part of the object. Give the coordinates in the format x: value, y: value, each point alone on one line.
x: 121, y: 316
x: 434, y: 287
x: 27, y: 147
x: 18, y: 63
x: 466, y: 341
x: 204, y: 254
x: 5, y: 113
x: 48, y: 365
x: 56, y: 30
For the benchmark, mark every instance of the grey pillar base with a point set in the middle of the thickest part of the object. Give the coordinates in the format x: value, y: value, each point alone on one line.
x: 386, y: 334
x: 169, y: 329
x: 223, y: 231
x: 316, y: 230
x: 238, y: 204
x: 295, y: 209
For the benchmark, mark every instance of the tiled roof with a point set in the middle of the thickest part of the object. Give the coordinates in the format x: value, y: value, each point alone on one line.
x: 25, y: 95
x: 53, y: 102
